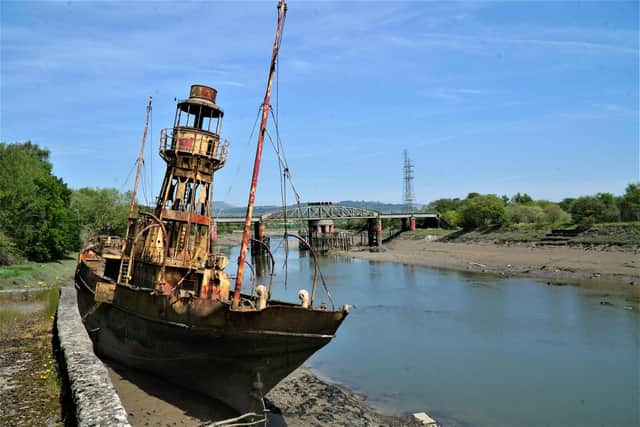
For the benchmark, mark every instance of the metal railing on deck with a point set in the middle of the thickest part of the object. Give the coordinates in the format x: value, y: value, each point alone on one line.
x: 193, y: 141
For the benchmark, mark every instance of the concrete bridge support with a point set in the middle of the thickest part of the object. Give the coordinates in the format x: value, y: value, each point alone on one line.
x: 374, y: 226
x: 321, y: 227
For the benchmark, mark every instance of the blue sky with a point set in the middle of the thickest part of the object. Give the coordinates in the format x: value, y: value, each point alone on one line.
x: 493, y: 97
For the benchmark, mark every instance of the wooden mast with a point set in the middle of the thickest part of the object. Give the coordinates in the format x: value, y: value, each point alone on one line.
x: 123, y: 275
x: 282, y: 9
x: 132, y: 207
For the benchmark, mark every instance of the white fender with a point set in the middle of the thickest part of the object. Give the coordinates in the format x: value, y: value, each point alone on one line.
x: 304, y: 298
x: 261, y: 290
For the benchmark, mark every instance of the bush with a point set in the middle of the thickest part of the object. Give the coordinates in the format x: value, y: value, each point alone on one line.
x: 555, y: 215
x: 452, y: 218
x: 482, y: 210
x: 600, y: 208
x: 525, y: 214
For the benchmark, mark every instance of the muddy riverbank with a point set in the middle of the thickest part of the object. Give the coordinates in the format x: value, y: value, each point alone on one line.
x: 29, y: 385
x: 605, y: 268
x: 301, y: 399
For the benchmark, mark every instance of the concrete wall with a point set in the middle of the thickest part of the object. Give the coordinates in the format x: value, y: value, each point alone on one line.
x: 93, y: 396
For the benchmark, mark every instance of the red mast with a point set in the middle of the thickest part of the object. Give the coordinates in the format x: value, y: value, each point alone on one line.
x: 282, y: 10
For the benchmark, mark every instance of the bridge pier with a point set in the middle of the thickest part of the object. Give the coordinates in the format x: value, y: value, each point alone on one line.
x: 259, y: 233
x: 320, y: 227
x: 374, y: 226
x: 408, y: 224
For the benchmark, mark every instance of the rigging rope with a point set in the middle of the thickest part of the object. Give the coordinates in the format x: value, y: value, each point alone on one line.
x: 150, y: 153
x: 237, y: 170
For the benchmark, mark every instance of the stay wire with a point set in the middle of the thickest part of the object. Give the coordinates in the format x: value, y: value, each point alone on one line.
x: 283, y: 198
x: 236, y: 173
x: 282, y: 158
x: 150, y: 153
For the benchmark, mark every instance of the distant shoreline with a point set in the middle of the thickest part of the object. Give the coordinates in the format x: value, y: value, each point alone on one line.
x: 602, y: 268
x: 605, y: 267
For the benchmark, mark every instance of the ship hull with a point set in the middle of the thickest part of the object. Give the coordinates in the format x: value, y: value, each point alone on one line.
x: 232, y: 356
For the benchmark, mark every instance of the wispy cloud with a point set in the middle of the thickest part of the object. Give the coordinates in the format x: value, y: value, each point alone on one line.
x: 457, y: 95
x: 482, y: 42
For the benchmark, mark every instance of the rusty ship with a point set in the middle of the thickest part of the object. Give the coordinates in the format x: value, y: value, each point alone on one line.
x: 160, y: 299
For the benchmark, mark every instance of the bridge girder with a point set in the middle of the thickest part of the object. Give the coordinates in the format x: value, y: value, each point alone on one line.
x: 319, y: 212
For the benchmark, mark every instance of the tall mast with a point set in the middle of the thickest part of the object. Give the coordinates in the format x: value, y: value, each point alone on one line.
x: 282, y: 10
x: 132, y: 207
x: 124, y: 272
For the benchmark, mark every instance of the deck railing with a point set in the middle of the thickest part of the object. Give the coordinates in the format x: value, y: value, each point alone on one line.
x: 193, y: 141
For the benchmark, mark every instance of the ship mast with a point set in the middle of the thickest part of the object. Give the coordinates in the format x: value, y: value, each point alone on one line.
x: 282, y: 9
x: 140, y: 162
x: 124, y: 265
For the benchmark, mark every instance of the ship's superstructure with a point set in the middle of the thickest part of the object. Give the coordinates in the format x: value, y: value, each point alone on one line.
x: 171, y: 247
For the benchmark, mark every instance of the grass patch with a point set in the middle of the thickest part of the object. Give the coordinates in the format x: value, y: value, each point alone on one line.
x: 37, y: 275
x: 615, y: 233
x: 26, y: 346
x: 14, y: 271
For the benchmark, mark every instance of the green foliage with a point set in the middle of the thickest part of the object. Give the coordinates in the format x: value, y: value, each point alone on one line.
x: 599, y: 208
x: 554, y: 214
x: 629, y: 203
x: 443, y: 205
x: 522, y: 199
x: 356, y: 224
x: 525, y: 213
x: 35, y: 212
x: 482, y: 210
x: 541, y: 213
x: 101, y: 211
x: 8, y: 251
x: 611, y: 211
x: 452, y: 218
x: 566, y: 203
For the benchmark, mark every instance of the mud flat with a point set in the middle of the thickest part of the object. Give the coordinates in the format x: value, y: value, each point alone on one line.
x: 605, y: 268
x: 306, y: 400
x: 302, y: 399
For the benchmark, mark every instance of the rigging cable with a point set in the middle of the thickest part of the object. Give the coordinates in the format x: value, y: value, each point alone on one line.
x: 150, y: 153
x: 236, y: 173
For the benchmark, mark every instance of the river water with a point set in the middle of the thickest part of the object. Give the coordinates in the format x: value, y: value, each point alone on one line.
x: 473, y: 349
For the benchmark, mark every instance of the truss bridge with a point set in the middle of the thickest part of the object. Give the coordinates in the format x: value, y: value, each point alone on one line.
x: 320, y: 217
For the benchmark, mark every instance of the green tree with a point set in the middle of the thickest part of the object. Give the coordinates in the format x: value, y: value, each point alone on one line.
x: 452, y: 218
x: 482, y: 210
x: 443, y: 205
x: 588, y: 209
x: 566, y: 203
x: 554, y: 214
x: 611, y: 212
x: 629, y: 203
x: 525, y: 214
x: 103, y: 210
x: 35, y: 212
x: 522, y: 199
